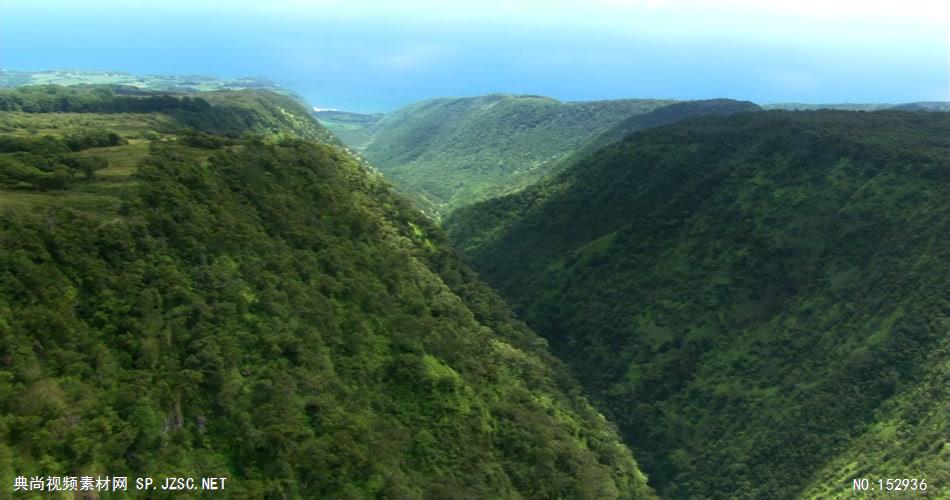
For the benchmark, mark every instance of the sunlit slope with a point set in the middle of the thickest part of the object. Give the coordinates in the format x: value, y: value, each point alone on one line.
x: 178, y: 302
x: 451, y: 152
x: 759, y: 301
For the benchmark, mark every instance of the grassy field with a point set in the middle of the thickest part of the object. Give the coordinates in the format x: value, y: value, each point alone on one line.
x: 130, y: 126
x: 103, y: 194
x: 38, y: 147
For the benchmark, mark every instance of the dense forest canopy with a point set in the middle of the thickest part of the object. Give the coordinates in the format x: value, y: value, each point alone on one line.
x: 760, y: 301
x: 204, y: 289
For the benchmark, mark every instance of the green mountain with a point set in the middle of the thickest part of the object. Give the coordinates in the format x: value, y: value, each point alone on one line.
x: 664, y: 115
x: 447, y: 153
x: 189, y: 288
x: 761, y: 302
x: 481, y: 224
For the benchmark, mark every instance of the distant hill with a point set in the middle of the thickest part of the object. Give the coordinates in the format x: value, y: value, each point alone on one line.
x: 204, y: 285
x: 910, y: 106
x: 170, y: 83
x: 760, y: 301
x: 801, y: 106
x: 663, y: 115
x: 447, y: 153
x: 940, y: 106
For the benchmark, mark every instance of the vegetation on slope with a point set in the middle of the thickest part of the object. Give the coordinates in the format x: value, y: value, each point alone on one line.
x: 664, y: 115
x: 447, y: 153
x: 222, y: 112
x: 760, y: 302
x: 908, y: 439
x: 481, y: 224
x: 354, y: 129
x: 267, y: 310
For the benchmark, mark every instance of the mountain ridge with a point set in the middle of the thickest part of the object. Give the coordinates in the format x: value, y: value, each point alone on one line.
x: 448, y: 152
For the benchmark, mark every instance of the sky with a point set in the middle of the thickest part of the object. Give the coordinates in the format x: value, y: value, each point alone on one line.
x: 379, y: 55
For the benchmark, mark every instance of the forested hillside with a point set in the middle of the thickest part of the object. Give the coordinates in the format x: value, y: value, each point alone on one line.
x: 447, y: 153
x: 480, y: 224
x: 663, y: 115
x: 189, y: 288
x: 760, y: 301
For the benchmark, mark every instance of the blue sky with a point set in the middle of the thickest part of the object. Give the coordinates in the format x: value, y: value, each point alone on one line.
x: 377, y: 56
